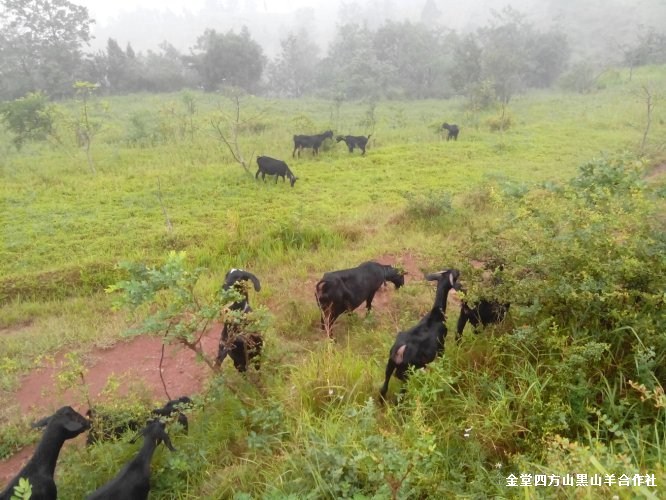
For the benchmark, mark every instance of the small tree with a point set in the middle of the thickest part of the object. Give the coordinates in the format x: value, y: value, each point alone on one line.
x: 228, y: 59
x: 228, y: 125
x: 293, y: 72
x: 167, y: 299
x: 648, y: 96
x: 85, y: 127
x: 30, y: 118
x: 40, y: 45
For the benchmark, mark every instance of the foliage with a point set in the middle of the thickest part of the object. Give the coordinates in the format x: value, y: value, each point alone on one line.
x: 122, y: 69
x: 292, y: 73
x: 500, y: 122
x: 650, y: 48
x: 30, y: 118
x: 412, y: 56
x: 13, y: 437
x: 465, y: 72
x: 582, y: 77
x: 228, y: 60
x: 510, y: 54
x: 351, y: 67
x: 175, y: 308
x: 23, y: 490
x: 40, y: 46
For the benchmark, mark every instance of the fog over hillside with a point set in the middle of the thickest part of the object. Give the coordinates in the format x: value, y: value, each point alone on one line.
x: 593, y: 26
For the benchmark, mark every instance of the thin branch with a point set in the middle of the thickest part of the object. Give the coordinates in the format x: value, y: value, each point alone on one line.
x: 161, y: 375
x: 328, y: 328
x: 650, y: 107
x: 159, y: 197
x: 233, y: 147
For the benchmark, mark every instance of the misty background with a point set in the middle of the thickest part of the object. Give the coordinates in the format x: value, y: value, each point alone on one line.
x: 592, y: 24
x: 485, y: 50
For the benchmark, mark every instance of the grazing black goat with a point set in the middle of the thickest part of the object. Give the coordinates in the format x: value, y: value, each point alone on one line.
x: 239, y: 346
x: 64, y: 424
x: 278, y: 168
x: 175, y: 407
x: 452, y: 131
x: 104, y: 427
x: 484, y: 312
x: 345, y: 290
x: 354, y: 141
x: 133, y: 480
x: 310, y: 141
x: 422, y: 343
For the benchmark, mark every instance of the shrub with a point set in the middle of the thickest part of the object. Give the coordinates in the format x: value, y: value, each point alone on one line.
x: 499, y: 123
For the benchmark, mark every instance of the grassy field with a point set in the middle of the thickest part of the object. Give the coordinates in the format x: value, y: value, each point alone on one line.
x: 310, y: 426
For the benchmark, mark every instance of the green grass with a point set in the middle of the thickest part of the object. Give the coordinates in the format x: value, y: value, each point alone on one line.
x: 308, y: 425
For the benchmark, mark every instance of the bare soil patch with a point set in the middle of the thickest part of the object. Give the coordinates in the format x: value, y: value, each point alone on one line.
x: 10, y: 467
x: 135, y: 364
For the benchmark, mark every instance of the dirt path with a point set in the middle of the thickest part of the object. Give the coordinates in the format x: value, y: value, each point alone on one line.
x: 135, y: 364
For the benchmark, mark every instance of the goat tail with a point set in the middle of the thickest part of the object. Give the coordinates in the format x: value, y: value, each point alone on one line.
x: 319, y: 287
x: 319, y: 293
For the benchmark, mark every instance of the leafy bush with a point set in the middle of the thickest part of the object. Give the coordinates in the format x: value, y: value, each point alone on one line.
x: 586, y: 273
x: 499, y: 123
x: 30, y: 118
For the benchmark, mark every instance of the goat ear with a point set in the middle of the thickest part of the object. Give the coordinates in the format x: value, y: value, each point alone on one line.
x: 454, y: 278
x: 74, y: 426
x: 255, y: 281
x: 41, y: 423
x: 167, y: 441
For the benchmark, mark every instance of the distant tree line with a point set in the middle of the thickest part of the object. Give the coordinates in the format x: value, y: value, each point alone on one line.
x: 42, y: 49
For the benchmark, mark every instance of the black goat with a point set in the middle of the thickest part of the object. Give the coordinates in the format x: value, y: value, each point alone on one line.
x: 345, y: 290
x: 422, y: 343
x: 104, y: 426
x: 239, y: 346
x: 133, y: 480
x: 175, y: 406
x: 64, y: 424
x: 484, y: 312
x: 452, y: 131
x: 310, y: 141
x: 354, y: 141
x: 278, y: 168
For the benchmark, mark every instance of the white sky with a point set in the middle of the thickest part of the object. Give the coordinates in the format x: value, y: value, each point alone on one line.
x: 103, y: 10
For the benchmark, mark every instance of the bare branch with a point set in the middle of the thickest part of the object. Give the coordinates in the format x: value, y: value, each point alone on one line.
x: 232, y: 144
x: 650, y: 106
x: 159, y: 197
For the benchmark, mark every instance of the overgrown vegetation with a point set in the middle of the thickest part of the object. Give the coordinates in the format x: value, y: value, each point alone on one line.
x: 572, y: 383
